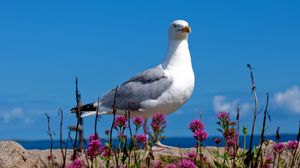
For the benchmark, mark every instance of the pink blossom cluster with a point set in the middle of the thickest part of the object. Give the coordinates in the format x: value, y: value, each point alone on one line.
x: 186, y: 163
x: 217, y: 140
x: 157, y: 164
x: 231, y: 137
x: 268, y: 163
x: 192, y: 155
x: 138, y: 121
x: 158, y: 122
x: 141, y: 139
x: 107, y: 132
x: 197, y: 127
x: 200, y: 135
x: 94, y: 147
x: 278, y: 147
x: 229, y: 133
x: 120, y: 121
x: 223, y: 116
x: 292, y: 145
x: 106, y: 151
x: 77, y: 163
x: 170, y: 165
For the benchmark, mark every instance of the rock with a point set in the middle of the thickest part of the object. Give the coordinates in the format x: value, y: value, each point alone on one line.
x: 13, y: 155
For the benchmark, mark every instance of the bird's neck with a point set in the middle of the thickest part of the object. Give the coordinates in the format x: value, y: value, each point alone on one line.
x: 178, y: 55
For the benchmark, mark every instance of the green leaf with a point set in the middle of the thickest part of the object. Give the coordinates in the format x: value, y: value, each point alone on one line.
x: 219, y: 165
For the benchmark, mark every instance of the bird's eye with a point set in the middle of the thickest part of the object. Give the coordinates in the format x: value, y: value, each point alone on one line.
x: 175, y: 26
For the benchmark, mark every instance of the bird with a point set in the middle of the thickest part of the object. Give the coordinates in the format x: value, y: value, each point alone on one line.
x: 161, y: 89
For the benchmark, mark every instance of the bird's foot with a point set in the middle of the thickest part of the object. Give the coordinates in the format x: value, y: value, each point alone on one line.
x: 159, y: 146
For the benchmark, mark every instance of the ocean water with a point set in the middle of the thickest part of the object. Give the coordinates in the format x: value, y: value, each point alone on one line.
x: 183, y: 142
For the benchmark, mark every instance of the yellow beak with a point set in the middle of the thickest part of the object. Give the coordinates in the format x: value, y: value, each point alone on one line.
x: 186, y: 29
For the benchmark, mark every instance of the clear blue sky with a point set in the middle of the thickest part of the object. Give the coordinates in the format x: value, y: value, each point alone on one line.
x: 45, y: 45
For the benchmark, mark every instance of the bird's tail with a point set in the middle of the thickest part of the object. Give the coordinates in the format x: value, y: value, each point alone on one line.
x: 93, y: 113
x: 86, y: 107
x: 89, y: 109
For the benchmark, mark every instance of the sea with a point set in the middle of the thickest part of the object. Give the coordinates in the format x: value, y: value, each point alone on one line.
x: 182, y: 142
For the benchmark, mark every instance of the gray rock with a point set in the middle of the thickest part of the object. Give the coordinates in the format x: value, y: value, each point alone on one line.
x: 13, y: 155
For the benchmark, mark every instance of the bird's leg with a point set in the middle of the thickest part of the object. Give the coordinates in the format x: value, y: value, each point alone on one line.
x: 158, y: 144
x: 145, y: 127
x: 146, y: 132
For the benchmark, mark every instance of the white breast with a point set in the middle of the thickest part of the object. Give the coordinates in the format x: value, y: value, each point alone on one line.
x: 178, y: 68
x: 173, y: 98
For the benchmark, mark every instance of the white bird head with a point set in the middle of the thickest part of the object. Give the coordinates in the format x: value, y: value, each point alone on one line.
x: 179, y: 30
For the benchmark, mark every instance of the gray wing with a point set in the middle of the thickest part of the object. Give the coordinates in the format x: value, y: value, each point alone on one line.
x: 149, y: 84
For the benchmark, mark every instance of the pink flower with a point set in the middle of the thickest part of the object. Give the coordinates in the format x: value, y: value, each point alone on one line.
x: 107, y: 132
x: 92, y: 137
x: 76, y: 164
x: 157, y: 164
x: 141, y: 139
x: 230, y: 133
x: 230, y: 142
x: 223, y: 116
x: 200, y: 135
x: 94, y: 147
x: 292, y: 144
x: 159, y: 117
x: 278, y: 147
x: 138, y: 121
x: 231, y: 136
x: 106, y: 152
x: 158, y: 122
x: 186, y: 163
x: 269, y: 159
x: 192, y: 155
x: 217, y: 140
x: 120, y: 121
x: 195, y: 125
x: 170, y: 165
x: 268, y: 165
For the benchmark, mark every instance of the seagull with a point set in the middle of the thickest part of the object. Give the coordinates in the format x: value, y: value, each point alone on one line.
x: 164, y: 88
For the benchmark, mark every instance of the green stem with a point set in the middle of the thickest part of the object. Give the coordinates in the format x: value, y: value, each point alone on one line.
x: 245, y: 141
x: 278, y: 160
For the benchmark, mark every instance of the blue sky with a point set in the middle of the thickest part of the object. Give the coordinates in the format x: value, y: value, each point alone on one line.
x: 45, y: 45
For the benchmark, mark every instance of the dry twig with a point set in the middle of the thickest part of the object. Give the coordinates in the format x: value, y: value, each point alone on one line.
x: 50, y: 133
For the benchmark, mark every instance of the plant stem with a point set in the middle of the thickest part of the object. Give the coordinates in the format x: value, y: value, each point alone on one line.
x: 131, y: 137
x: 295, y: 152
x: 114, y: 117
x: 78, y: 118
x: 51, y: 139
x: 274, y: 160
x: 61, y: 115
x: 262, y: 132
x: 200, y: 152
x: 238, y: 121
x: 245, y: 136
x: 249, y: 153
